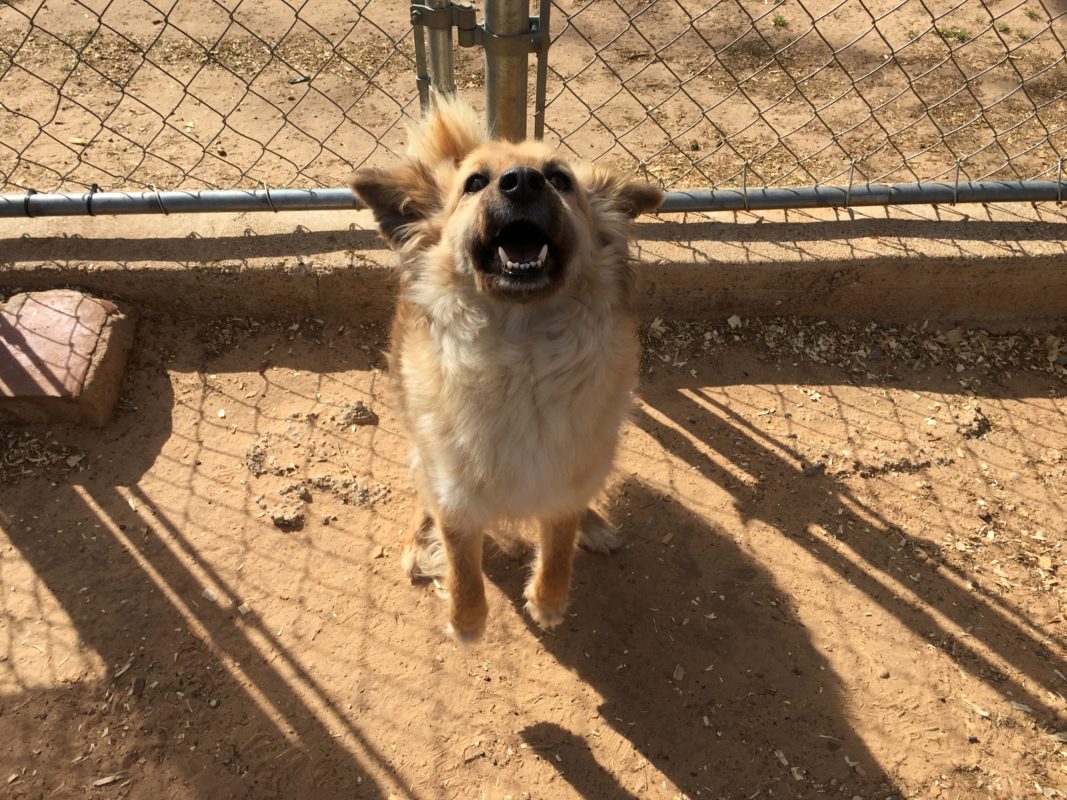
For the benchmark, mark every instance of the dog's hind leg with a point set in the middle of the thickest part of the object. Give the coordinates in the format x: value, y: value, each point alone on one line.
x: 597, y: 535
x: 548, y: 591
x: 424, y: 551
x: 467, y: 606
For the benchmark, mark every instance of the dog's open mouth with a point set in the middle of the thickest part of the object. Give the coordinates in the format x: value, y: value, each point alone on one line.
x: 521, y: 255
x: 521, y: 250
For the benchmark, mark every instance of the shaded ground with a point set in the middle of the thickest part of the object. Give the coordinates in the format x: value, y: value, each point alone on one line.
x: 840, y: 578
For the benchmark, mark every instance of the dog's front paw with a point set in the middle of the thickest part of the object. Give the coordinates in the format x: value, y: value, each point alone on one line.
x: 468, y: 625
x: 471, y: 636
x: 545, y: 612
x: 597, y: 535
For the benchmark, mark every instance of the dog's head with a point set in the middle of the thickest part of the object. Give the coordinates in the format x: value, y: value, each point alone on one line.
x: 515, y: 221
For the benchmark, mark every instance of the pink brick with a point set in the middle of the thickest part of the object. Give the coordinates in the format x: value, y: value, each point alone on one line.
x: 62, y: 355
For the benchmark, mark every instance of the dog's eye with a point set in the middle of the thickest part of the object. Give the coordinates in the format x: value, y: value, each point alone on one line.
x: 559, y: 180
x: 475, y: 183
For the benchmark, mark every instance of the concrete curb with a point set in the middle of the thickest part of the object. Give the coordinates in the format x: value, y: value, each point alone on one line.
x: 997, y: 266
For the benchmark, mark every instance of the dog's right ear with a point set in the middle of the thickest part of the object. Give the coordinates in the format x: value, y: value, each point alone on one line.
x: 400, y: 198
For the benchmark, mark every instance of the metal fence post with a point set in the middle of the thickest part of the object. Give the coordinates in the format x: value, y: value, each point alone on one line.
x: 442, y: 64
x: 506, y: 67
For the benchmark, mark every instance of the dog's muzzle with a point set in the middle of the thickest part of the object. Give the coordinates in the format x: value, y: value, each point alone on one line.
x: 520, y: 252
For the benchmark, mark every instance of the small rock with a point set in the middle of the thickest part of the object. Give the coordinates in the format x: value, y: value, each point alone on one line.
x: 213, y: 703
x: 884, y: 674
x: 734, y: 322
x: 811, y: 470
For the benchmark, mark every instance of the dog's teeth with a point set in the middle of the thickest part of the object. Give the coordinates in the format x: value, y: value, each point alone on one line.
x: 543, y: 255
x: 503, y: 256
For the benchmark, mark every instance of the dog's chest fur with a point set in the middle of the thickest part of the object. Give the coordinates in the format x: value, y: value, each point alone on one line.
x: 517, y: 412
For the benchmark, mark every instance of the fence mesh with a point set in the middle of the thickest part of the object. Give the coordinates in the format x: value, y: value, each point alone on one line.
x: 199, y: 93
x: 724, y: 92
x: 217, y: 94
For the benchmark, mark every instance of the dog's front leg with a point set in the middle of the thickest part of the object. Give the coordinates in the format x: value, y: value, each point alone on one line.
x: 547, y: 592
x: 467, y: 606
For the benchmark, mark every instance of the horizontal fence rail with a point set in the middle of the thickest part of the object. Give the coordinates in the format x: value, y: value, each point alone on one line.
x: 678, y: 201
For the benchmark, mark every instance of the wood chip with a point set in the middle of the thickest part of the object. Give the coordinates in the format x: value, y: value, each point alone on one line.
x: 110, y: 779
x: 679, y: 673
x: 976, y: 709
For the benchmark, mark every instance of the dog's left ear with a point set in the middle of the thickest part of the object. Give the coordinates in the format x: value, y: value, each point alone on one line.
x: 399, y: 198
x: 621, y: 193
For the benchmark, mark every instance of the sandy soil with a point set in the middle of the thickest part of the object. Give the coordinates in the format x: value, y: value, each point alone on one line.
x: 190, y: 93
x: 840, y: 578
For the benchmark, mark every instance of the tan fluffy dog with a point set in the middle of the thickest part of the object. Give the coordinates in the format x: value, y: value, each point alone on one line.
x: 513, y: 346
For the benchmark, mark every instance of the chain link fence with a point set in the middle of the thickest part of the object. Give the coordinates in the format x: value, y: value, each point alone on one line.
x: 199, y: 93
x: 734, y: 92
x: 195, y: 94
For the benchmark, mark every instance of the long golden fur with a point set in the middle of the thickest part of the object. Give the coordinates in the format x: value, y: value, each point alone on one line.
x: 514, y: 351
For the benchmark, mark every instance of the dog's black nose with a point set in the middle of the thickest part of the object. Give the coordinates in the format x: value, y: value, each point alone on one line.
x: 522, y: 184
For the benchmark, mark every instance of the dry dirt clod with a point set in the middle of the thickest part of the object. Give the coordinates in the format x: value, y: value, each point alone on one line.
x: 256, y: 457
x: 974, y: 424
x: 357, y: 414
x: 287, y: 517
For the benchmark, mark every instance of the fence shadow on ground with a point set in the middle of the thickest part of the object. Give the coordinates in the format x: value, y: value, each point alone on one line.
x: 765, y: 688
x: 794, y: 501
x: 726, y: 702
x: 132, y: 599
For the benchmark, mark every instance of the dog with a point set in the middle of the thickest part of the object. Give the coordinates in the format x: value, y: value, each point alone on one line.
x: 513, y: 347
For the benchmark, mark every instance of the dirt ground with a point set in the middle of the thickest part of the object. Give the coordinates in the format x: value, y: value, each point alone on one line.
x: 196, y: 93
x: 840, y: 578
